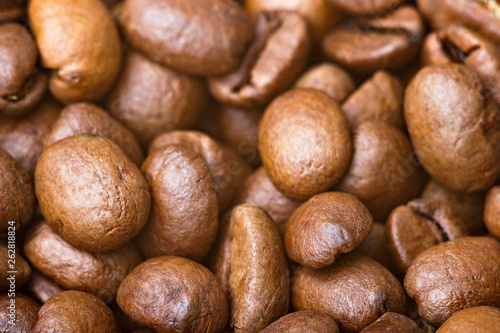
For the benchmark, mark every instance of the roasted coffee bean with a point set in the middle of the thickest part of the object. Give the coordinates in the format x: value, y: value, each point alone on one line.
x: 186, y: 296
x: 196, y: 37
x: 455, y: 275
x: 17, y: 197
x: 355, y: 291
x: 419, y: 225
x: 12, y: 9
x: 485, y: 319
x: 326, y: 226
x: 365, y: 7
x: 482, y: 16
x: 379, y: 99
x: 320, y: 16
x: 459, y: 44
x: 328, y: 78
x: 75, y: 311
x: 463, y: 155
x: 99, y: 274
x: 22, y: 84
x: 79, y: 42
x: 392, y: 322
x: 10, y: 258
x: 382, y: 162
x: 42, y: 287
x: 468, y: 206
x: 277, y: 55
x: 23, y: 137
x: 375, y: 246
x: 151, y: 99
x: 25, y: 312
x: 184, y: 214
x: 303, y: 321
x: 86, y: 118
x: 304, y: 143
x: 492, y: 211
x: 366, y: 44
x: 91, y: 193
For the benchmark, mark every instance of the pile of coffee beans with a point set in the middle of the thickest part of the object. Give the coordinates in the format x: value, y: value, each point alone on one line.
x: 307, y: 166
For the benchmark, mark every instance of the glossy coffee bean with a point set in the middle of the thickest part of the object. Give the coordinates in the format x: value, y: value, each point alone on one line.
x: 24, y: 314
x: 492, y: 211
x: 471, y: 268
x: 303, y: 321
x: 392, y: 322
x: 419, y: 225
x: 326, y: 226
x: 485, y: 319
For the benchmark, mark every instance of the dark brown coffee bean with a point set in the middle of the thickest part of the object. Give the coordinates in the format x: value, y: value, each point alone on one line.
x: 375, y: 246
x: 455, y: 275
x: 419, y: 225
x: 89, y: 61
x: 91, y: 193
x: 304, y: 143
x: 151, y: 99
x: 256, y: 251
x: 75, y: 311
x: 42, y: 287
x: 383, y: 162
x: 23, y: 315
x: 380, y: 99
x: 22, y: 84
x: 492, y: 211
x: 227, y: 170
x: 258, y: 189
x: 354, y: 291
x: 196, y: 37
x: 459, y: 44
x: 23, y: 137
x: 484, y: 319
x: 320, y: 16
x: 328, y: 78
x: 393, y: 322
x: 185, y: 295
x: 468, y: 206
x: 365, y: 7
x: 12, y: 9
x: 482, y: 16
x: 87, y: 118
x: 9, y: 258
x: 463, y: 155
x: 365, y: 44
x: 183, y: 220
x: 326, y: 226
x: 303, y: 322
x: 17, y: 196
x: 277, y: 55
x: 99, y: 274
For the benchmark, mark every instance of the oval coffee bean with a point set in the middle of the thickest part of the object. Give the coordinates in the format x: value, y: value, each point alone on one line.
x: 492, y: 211
x: 324, y: 227
x: 186, y: 296
x: 304, y: 143
x: 471, y: 268
x: 486, y: 319
x: 91, y: 193
x: 355, y: 291
x: 392, y: 322
x: 303, y: 321
x: 25, y: 313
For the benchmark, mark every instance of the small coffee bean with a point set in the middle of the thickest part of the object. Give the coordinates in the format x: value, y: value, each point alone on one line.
x: 277, y: 55
x: 21, y: 268
x: 303, y: 321
x: 91, y: 193
x: 328, y: 78
x: 22, y: 84
x: 75, y: 311
x: 419, y: 225
x: 196, y: 37
x: 392, y: 322
x: 87, y: 118
x: 304, y: 143
x: 42, y: 287
x: 471, y: 268
x: 492, y: 211
x: 186, y: 296
x: 151, y: 99
x: 25, y: 311
x: 366, y: 44
x: 79, y: 42
x: 326, y: 226
x: 463, y: 155
x: 355, y: 291
x: 365, y: 7
x: 99, y: 274
x: 483, y: 318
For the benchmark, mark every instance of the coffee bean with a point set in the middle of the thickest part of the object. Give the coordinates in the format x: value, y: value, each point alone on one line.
x: 12, y: 9
x: 392, y: 322
x: 467, y: 320
x: 365, y: 7
x: 42, y: 287
x: 492, y: 211
x: 25, y: 310
x: 21, y: 271
x: 303, y: 321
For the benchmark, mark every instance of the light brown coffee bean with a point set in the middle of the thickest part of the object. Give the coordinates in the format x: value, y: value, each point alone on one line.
x: 25, y: 313
x: 485, y: 319
x: 492, y: 211
x: 303, y: 321
x: 392, y: 322
x: 12, y: 263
